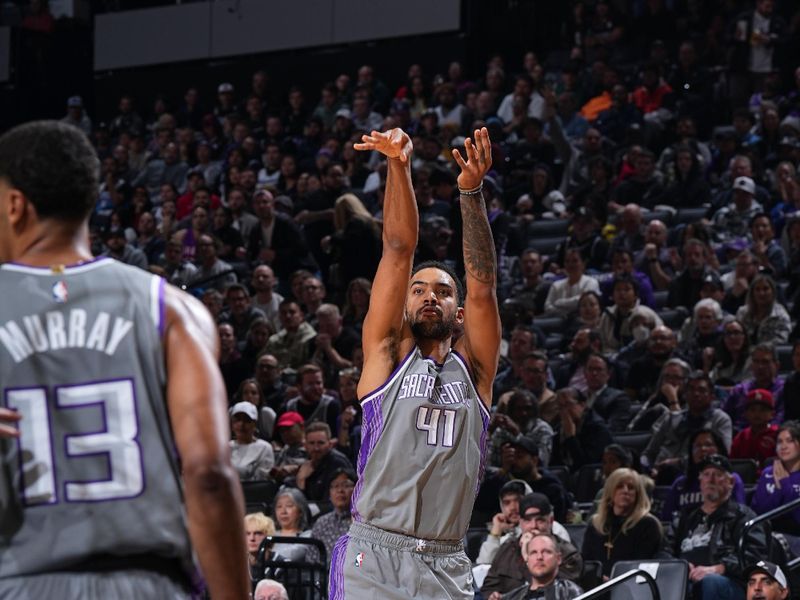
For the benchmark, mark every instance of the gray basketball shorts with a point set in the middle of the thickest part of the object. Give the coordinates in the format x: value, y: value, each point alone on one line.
x: 369, y: 562
x: 93, y: 586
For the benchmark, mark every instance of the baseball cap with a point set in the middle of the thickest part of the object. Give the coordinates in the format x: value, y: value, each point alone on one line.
x: 344, y: 112
x: 73, y: 101
x: 290, y: 418
x: 526, y: 443
x: 515, y: 486
x: 713, y: 279
x: 769, y: 569
x: 760, y: 396
x: 225, y: 88
x: 244, y: 408
x: 717, y: 461
x: 535, y: 500
x: 285, y: 202
x: 745, y: 184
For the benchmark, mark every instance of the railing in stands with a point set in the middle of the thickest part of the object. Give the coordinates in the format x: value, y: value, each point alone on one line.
x: 603, y: 588
x: 301, y: 578
x: 767, y: 516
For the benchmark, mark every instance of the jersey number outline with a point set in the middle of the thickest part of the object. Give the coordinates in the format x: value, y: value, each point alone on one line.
x: 117, y: 441
x: 428, y: 421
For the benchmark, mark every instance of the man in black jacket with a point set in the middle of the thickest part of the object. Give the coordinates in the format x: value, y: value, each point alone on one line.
x: 708, y: 537
x: 580, y: 435
x: 277, y: 241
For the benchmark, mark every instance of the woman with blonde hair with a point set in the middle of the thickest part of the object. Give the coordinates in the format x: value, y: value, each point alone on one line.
x: 622, y: 528
x: 257, y: 526
x: 355, y: 244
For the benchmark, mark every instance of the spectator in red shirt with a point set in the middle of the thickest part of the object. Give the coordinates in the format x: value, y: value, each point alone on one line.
x: 758, y: 440
x: 649, y: 97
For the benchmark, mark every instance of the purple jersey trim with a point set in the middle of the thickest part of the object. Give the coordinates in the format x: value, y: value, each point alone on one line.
x: 472, y: 381
x: 371, y: 430
x: 391, y: 377
x: 336, y: 578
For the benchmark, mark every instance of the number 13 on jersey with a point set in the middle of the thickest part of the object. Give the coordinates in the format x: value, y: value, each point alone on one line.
x: 117, y: 442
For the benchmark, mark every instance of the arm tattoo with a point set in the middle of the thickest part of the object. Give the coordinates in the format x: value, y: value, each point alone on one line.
x: 479, y: 255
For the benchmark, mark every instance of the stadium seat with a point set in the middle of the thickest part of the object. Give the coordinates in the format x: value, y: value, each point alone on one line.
x: 548, y: 228
x: 636, y: 441
x: 554, y: 341
x: 671, y: 579
x: 562, y: 473
x: 747, y: 469
x: 576, y: 533
x: 592, y: 575
x: 546, y: 245
x: 473, y: 540
x: 673, y: 317
x: 550, y: 324
x: 689, y: 215
x: 784, y: 358
x: 259, y: 494
x: 588, y: 482
x: 661, y: 298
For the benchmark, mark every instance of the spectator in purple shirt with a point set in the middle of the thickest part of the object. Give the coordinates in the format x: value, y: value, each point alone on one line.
x: 780, y: 482
x: 764, y: 364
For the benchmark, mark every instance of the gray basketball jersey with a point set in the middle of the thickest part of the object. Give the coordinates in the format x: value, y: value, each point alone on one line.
x: 94, y: 470
x: 423, y: 449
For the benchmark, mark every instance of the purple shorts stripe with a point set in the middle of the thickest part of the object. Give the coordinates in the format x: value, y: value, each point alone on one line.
x: 484, y: 443
x: 336, y: 577
x: 372, y: 417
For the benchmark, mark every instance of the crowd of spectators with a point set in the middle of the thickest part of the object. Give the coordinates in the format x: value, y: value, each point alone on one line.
x: 645, y: 207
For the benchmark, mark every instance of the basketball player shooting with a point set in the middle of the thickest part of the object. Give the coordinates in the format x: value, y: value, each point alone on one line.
x: 425, y: 398
x: 97, y: 360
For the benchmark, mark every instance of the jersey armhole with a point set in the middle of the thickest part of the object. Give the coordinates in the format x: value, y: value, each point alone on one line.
x: 389, y: 379
x: 468, y: 371
x: 157, y: 303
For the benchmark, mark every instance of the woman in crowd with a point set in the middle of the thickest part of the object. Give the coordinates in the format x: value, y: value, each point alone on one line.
x: 764, y: 318
x: 291, y: 515
x: 257, y: 526
x: 251, y: 457
x: 355, y: 243
x: 349, y: 434
x: 684, y: 495
x: 622, y: 528
x: 563, y: 296
x: 250, y: 391
x: 668, y: 390
x: 356, y: 302
x: 587, y: 317
x: 780, y: 482
x: 729, y: 363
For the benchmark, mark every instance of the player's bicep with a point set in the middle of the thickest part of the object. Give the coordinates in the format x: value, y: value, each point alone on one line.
x: 386, y: 315
x: 196, y: 394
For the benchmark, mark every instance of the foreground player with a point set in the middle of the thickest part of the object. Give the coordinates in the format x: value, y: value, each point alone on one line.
x: 96, y: 359
x: 426, y: 399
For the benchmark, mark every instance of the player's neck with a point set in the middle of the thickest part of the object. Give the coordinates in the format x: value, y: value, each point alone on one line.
x: 435, y: 349
x: 53, y: 242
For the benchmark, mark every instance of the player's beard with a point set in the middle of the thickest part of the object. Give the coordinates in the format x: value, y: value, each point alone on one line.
x: 433, y: 330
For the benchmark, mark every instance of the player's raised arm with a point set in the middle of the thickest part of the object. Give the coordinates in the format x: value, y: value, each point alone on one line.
x: 481, y: 341
x: 384, y: 325
x: 197, y: 408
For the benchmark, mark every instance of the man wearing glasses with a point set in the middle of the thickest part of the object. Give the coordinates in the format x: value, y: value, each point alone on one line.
x: 509, y: 568
x: 330, y: 527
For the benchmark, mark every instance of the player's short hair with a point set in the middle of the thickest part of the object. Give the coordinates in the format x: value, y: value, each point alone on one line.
x: 435, y: 264
x: 54, y: 166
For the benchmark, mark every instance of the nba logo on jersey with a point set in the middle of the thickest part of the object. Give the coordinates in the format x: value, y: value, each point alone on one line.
x: 359, y: 559
x: 60, y: 293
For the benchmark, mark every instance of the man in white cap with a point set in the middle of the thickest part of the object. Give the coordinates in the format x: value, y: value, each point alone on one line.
x: 252, y: 458
x: 733, y: 220
x: 766, y: 581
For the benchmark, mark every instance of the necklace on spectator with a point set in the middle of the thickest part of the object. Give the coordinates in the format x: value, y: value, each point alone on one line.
x: 610, y: 543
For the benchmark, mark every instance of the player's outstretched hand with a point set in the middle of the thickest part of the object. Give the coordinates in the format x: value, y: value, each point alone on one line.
x: 478, y: 162
x: 7, y: 420
x: 394, y: 143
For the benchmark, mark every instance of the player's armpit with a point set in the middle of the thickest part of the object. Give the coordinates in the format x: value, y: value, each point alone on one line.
x: 197, y: 406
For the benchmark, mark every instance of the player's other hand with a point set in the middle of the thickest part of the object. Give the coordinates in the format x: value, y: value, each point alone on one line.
x: 394, y: 143
x: 478, y: 162
x: 7, y: 420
